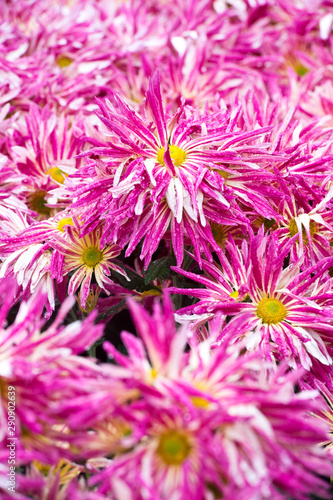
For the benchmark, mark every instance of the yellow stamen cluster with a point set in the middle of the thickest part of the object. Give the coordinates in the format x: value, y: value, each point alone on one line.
x: 63, y: 222
x: 92, y: 256
x: 295, y: 63
x: 271, y: 311
x: 67, y: 470
x: 150, y: 293
x: 91, y: 302
x: 37, y: 203
x: 223, y: 173
x: 177, y: 155
x: 173, y: 447
x: 220, y: 233
x: 200, y: 402
x: 57, y: 175
x: 64, y: 61
x: 300, y: 69
x: 294, y: 230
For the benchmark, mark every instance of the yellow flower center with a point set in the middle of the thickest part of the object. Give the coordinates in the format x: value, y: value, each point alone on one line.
x: 173, y: 448
x: 268, y: 223
x: 92, y: 300
x: 44, y: 468
x: 92, y: 256
x: 300, y: 69
x: 271, y: 311
x: 294, y: 230
x: 177, y: 155
x: 200, y: 402
x: 64, y: 61
x: 37, y: 203
x: 67, y: 470
x: 151, y: 292
x: 57, y: 174
x: 295, y: 63
x: 64, y: 222
x: 223, y: 173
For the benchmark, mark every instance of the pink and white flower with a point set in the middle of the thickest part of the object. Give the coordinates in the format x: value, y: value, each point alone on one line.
x: 86, y: 257
x: 280, y: 310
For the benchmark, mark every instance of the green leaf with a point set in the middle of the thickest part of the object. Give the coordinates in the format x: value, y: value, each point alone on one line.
x: 137, y: 282
x: 159, y: 269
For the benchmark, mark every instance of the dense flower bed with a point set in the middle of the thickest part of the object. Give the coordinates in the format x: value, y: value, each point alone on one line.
x: 169, y: 162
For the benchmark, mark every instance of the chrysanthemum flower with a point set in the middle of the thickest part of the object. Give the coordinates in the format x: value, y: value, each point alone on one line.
x: 11, y: 187
x: 26, y: 253
x: 86, y: 257
x: 40, y: 231
x: 28, y: 263
x: 43, y: 143
x: 31, y: 267
x: 13, y: 222
x: 60, y: 479
x: 43, y: 366
x: 42, y: 150
x: 280, y: 310
x: 252, y: 189
x: 319, y: 101
x: 215, y: 424
x: 305, y: 230
x: 171, y: 177
x: 175, y: 415
x: 197, y: 71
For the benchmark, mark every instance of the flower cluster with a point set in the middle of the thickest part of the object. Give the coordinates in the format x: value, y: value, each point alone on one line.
x: 175, y: 153
x: 163, y: 422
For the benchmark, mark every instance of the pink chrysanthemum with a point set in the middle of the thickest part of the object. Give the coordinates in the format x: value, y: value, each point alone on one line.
x: 29, y: 263
x: 30, y: 352
x: 208, y: 423
x: 280, y: 310
x: 40, y: 370
x: 40, y: 231
x: 168, y: 174
x: 41, y: 153
x: 305, y: 230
